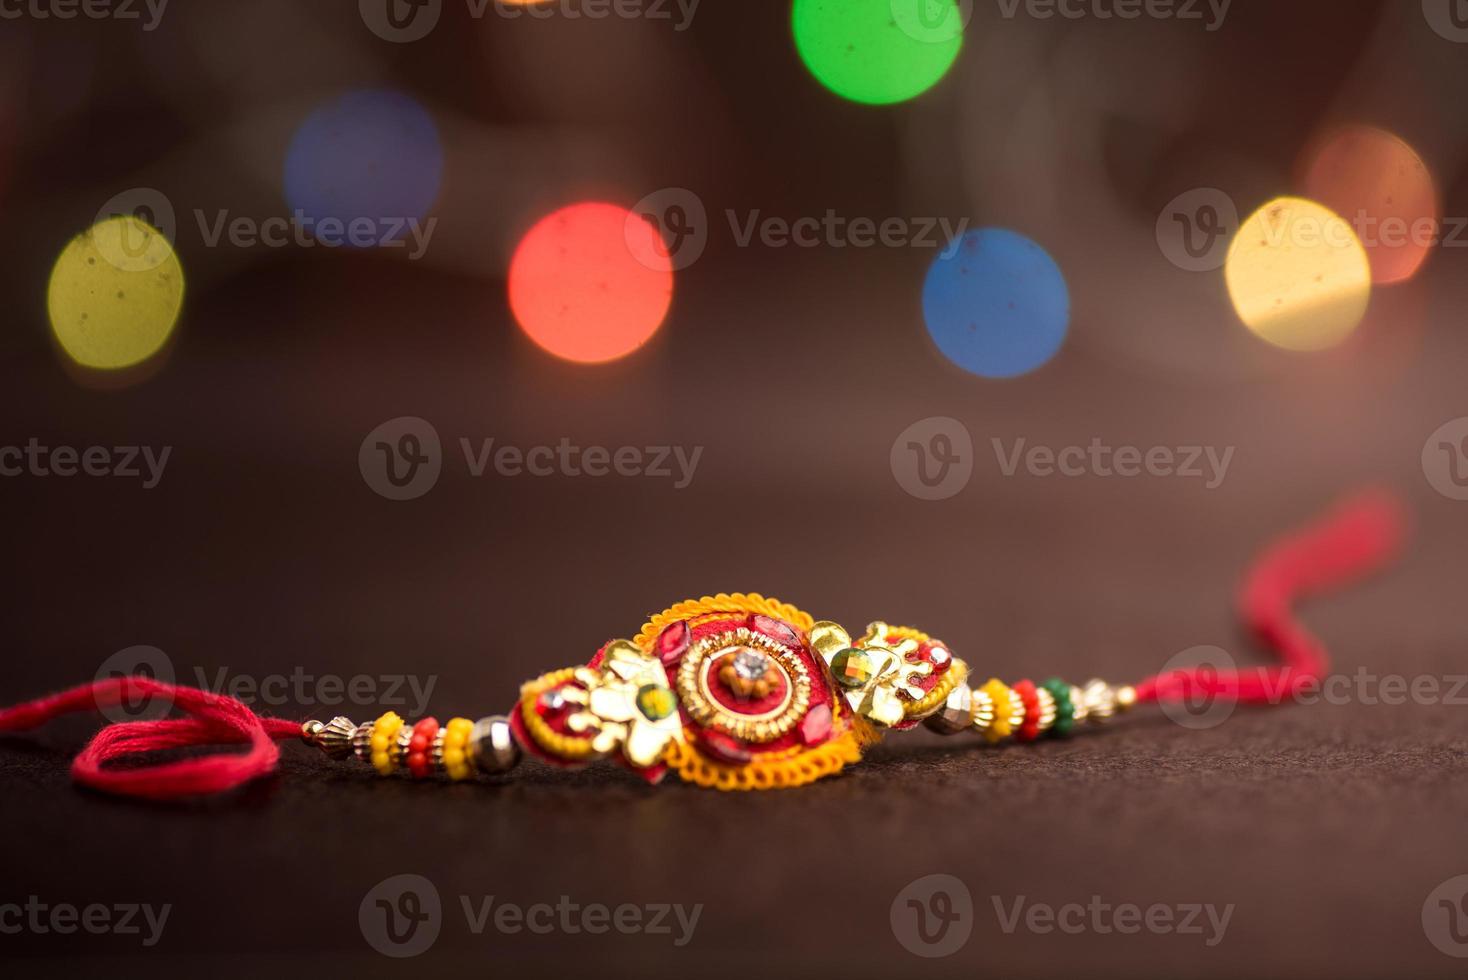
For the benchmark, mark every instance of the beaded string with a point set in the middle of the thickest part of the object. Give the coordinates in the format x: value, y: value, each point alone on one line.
x: 1355, y: 539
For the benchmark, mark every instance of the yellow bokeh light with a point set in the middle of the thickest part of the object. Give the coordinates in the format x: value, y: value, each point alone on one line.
x: 115, y: 294
x: 1298, y: 276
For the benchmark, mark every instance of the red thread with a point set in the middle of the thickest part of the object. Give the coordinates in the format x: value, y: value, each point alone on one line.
x: 214, y: 720
x: 1357, y: 538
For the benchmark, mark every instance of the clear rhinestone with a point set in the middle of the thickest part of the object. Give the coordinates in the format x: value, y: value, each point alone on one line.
x: 552, y: 700
x: 751, y: 665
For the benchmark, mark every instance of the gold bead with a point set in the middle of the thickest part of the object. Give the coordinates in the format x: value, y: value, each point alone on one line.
x: 1046, y: 702
x: 1126, y: 698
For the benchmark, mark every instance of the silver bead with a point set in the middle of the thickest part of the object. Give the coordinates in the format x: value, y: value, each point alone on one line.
x: 362, y: 740
x: 492, y: 745
x: 957, y: 712
x: 333, y: 737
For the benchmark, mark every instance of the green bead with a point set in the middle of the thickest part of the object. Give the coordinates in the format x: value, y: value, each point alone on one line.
x: 656, y: 701
x: 852, y: 668
x: 1065, y: 710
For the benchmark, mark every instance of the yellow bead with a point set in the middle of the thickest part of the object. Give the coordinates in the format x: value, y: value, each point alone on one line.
x: 382, y: 762
x: 453, y: 757
x: 379, y: 742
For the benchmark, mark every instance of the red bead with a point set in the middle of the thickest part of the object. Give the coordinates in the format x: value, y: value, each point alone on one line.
x: 673, y: 642
x: 815, y: 727
x: 418, y: 743
x: 775, y: 629
x: 1029, y: 730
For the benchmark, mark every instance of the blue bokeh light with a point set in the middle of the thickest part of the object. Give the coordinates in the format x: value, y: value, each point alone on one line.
x: 996, y: 304
x: 369, y: 156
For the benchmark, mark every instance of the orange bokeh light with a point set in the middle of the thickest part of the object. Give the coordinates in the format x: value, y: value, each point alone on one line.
x: 591, y: 282
x: 1379, y: 184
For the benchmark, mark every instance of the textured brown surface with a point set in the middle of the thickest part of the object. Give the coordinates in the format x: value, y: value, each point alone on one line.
x: 263, y: 552
x: 1326, y: 826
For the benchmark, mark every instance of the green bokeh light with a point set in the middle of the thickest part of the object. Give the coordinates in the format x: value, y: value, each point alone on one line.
x: 878, y: 51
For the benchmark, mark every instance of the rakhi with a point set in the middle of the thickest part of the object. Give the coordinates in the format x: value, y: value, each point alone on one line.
x: 733, y: 691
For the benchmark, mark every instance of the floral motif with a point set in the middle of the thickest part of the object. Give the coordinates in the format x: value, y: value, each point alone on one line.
x: 875, y: 677
x: 627, y: 703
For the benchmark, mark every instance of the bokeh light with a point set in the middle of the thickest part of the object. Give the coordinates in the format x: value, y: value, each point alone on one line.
x: 1379, y: 184
x: 115, y: 294
x: 878, y: 51
x: 591, y: 282
x: 997, y: 305
x: 372, y: 157
x: 1297, y: 275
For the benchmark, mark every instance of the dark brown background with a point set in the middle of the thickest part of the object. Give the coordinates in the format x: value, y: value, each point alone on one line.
x: 263, y: 551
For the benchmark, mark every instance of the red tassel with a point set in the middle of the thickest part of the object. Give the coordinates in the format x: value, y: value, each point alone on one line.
x: 214, y: 720
x: 1358, y: 538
